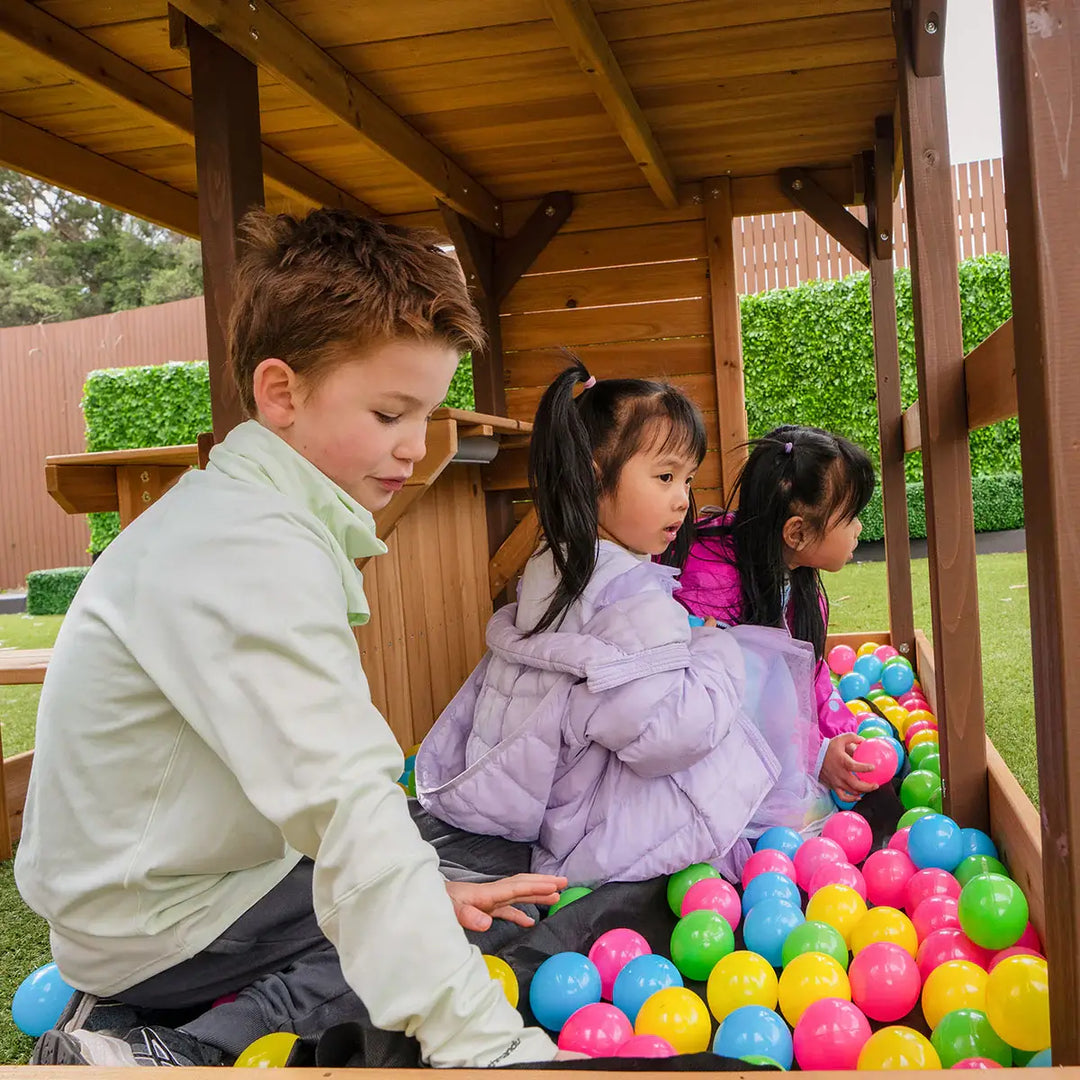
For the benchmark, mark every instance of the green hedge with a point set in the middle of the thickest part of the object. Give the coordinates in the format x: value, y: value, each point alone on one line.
x: 50, y: 592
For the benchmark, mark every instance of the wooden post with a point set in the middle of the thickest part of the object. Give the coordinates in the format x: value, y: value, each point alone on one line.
x: 726, y: 331
x: 1039, y: 80
x: 939, y: 354
x: 887, y: 366
x: 228, y: 164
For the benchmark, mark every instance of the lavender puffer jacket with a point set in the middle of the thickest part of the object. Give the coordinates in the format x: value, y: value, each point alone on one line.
x: 619, y: 745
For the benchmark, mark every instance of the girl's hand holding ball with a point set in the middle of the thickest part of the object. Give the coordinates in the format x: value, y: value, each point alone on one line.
x: 840, y: 769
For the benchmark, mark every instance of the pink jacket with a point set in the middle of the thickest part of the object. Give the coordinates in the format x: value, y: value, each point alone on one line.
x: 709, y: 587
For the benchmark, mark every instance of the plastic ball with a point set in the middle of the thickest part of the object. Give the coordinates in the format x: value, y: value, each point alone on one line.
x: 39, y: 1000
x: 645, y: 1046
x: 713, y: 894
x: 841, y: 659
x: 612, y: 951
x: 766, y: 927
x: 924, y: 738
x: 813, y: 853
x: 679, y: 1016
x: 976, y: 842
x: 922, y: 727
x: 809, y: 978
x: 898, y: 840
x: 887, y: 873
x: 929, y: 882
x: 770, y: 886
x: 974, y: 865
x: 866, y: 649
x: 976, y: 1063
x: 919, y: 754
x: 951, y: 944
x: 966, y: 1033
x: 741, y: 978
x: 853, y: 686
x: 1030, y: 938
x: 884, y: 924
x: 640, y: 979
x: 767, y: 861
x: 885, y: 981
x: 1043, y: 1059
x: 935, y: 841
x: 880, y: 754
x: 1018, y: 1002
x: 896, y: 679
x: 779, y: 838
x: 754, y: 1029
x: 762, y: 1059
x: 909, y: 817
x: 918, y: 788
x: 562, y: 984
x: 901, y: 755
x: 935, y: 913
x: 596, y: 1030
x: 699, y: 941
x: 993, y: 911
x: 568, y: 896
x: 837, y: 874
x: 886, y: 652
x: 858, y: 707
x: 502, y: 973
x: 838, y: 905
x: 956, y: 984
x: 815, y: 937
x: 852, y: 832
x: 874, y: 729
x: 841, y: 804
x: 829, y: 1035
x: 1012, y: 950
x: 268, y: 1052
x: 931, y: 762
x: 898, y: 1048
x: 869, y: 666
x: 679, y: 883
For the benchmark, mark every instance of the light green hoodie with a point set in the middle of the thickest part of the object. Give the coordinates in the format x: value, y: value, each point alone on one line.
x: 205, y: 720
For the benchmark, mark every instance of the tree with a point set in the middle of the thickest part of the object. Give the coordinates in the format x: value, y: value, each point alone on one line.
x: 64, y: 257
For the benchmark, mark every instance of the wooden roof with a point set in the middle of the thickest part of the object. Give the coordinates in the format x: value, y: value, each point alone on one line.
x: 477, y: 102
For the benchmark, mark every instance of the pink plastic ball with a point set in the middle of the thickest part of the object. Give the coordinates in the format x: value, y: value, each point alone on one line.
x: 914, y: 729
x: 841, y: 659
x: 225, y: 999
x: 886, y: 652
x: 646, y: 1046
x: 885, y: 981
x: 1012, y: 950
x: 944, y: 945
x: 935, y: 913
x: 766, y: 860
x: 829, y: 1035
x: 977, y: 1063
x: 714, y: 894
x: 611, y: 952
x: 837, y: 873
x: 597, y: 1030
x: 898, y: 840
x: 882, y: 755
x: 912, y: 696
x: 1029, y: 939
x: 812, y: 854
x: 887, y: 874
x: 927, y: 883
x: 852, y: 832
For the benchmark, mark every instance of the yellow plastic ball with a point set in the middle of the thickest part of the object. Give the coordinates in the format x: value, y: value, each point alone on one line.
x: 807, y: 978
x: 884, y: 924
x: 956, y: 984
x: 838, y: 905
x: 915, y: 717
x: 922, y: 736
x: 741, y: 978
x: 897, y: 715
x: 867, y: 648
x: 678, y: 1015
x: 898, y: 1048
x: 269, y: 1052
x: 858, y: 706
x: 1018, y: 1002
x: 884, y: 701
x: 504, y: 975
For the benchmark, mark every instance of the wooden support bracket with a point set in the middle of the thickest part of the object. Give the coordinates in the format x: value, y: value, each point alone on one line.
x: 928, y: 37
x: 881, y: 195
x: 514, y: 256
x: 514, y: 552
x: 835, y: 219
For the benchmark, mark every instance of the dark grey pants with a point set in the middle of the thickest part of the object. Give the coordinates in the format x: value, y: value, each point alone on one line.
x: 286, y: 975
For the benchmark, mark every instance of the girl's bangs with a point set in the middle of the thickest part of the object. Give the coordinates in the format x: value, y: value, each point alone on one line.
x: 852, y: 484
x: 683, y: 433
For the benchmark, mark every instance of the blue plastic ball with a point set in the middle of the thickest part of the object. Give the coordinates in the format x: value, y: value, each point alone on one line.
x: 841, y: 803
x: 766, y: 927
x: 779, y: 838
x: 897, y: 680
x: 976, y: 842
x: 1041, y: 1060
x: 875, y: 729
x: 753, y: 1029
x: 410, y: 763
x: 40, y: 1000
x: 563, y: 983
x: 934, y: 840
x: 870, y: 666
x: 770, y: 885
x: 640, y: 979
x: 696, y: 620
x: 853, y: 685
x: 898, y: 746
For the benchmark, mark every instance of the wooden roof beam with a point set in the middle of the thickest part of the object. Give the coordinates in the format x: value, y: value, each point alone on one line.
x: 255, y: 30
x: 84, y: 60
x: 579, y: 28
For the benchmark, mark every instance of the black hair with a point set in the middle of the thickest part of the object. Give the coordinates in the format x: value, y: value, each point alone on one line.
x: 578, y: 450
x: 792, y: 470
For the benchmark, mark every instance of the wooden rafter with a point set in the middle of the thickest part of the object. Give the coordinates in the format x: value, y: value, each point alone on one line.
x: 579, y: 28
x: 846, y: 229
x: 257, y: 31
x: 93, y: 65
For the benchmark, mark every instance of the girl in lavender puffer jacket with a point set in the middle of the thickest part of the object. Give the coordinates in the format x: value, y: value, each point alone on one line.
x: 600, y: 727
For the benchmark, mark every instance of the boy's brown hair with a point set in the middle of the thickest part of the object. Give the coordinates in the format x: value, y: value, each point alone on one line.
x: 310, y: 290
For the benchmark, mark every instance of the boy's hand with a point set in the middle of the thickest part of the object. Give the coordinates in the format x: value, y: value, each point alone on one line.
x: 476, y: 904
x: 838, y: 770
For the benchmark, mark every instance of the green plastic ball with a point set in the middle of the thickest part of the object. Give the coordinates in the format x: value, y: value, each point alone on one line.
x: 815, y: 937
x: 966, y: 1033
x: 762, y: 1059
x: 920, y: 752
x: 935, y: 801
x: 918, y: 788
x: 993, y: 911
x: 568, y: 896
x: 898, y: 660
x: 974, y: 865
x: 931, y: 762
x: 699, y: 942
x: 909, y: 817
x: 679, y: 883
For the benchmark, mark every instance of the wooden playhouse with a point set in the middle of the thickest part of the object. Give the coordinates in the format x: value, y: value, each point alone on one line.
x: 587, y: 161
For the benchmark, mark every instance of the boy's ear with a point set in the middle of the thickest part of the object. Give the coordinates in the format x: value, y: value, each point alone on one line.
x: 794, y: 533
x: 275, y: 387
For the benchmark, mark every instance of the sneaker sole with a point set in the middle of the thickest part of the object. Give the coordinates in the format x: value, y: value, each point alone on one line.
x: 87, y: 1048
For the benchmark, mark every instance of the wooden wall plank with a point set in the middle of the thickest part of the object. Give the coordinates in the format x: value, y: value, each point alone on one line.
x: 628, y: 359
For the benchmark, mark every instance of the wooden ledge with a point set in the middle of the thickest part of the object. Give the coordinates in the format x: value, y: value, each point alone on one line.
x: 23, y: 667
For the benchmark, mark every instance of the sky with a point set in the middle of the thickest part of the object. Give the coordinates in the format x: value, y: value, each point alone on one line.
x: 971, y: 90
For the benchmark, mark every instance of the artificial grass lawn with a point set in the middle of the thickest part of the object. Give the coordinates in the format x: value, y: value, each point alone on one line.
x: 859, y: 602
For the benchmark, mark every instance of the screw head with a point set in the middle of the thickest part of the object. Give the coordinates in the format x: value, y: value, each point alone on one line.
x: 144, y: 476
x: 931, y: 26
x: 146, y: 497
x: 884, y: 235
x: 254, y: 34
x: 549, y: 211
x: 796, y: 185
x: 252, y: 5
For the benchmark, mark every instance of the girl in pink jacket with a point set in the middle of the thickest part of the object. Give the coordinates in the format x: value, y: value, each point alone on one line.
x: 799, y: 497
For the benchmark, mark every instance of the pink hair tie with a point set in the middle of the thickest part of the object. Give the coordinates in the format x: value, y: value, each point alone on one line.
x: 788, y: 447
x: 589, y: 383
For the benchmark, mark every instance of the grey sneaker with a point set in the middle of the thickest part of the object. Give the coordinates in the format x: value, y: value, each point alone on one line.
x: 141, y: 1046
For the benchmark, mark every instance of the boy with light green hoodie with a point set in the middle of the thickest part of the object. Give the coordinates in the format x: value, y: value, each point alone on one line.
x: 213, y: 805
